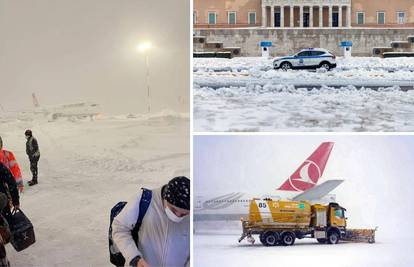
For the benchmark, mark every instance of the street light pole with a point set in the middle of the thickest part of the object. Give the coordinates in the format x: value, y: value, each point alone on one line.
x: 147, y: 81
x: 144, y: 47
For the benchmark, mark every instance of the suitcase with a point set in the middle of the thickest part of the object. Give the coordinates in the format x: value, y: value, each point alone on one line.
x: 22, y: 230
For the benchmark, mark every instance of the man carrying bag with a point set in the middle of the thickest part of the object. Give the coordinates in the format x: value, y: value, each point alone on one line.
x: 8, y: 187
x: 22, y: 232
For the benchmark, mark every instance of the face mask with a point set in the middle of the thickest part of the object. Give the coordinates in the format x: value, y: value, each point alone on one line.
x: 27, y: 137
x: 171, y: 215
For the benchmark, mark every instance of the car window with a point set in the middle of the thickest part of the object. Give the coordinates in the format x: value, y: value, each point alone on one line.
x: 317, y: 53
x: 304, y: 54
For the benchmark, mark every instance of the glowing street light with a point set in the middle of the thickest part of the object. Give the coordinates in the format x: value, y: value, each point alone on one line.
x: 143, y: 48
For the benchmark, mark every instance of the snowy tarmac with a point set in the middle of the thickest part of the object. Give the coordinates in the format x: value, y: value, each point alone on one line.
x: 85, y: 168
x: 224, y: 250
x: 361, y: 94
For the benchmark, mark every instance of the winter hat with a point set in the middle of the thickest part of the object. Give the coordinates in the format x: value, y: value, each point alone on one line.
x: 177, y: 192
x: 28, y: 132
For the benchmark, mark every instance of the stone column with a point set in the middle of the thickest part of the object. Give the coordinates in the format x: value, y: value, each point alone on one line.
x: 263, y: 16
x: 282, y: 16
x: 330, y: 16
x: 348, y: 16
x: 340, y: 16
x: 272, y: 16
x: 311, y: 16
x: 320, y: 16
x: 301, y: 16
x: 292, y: 15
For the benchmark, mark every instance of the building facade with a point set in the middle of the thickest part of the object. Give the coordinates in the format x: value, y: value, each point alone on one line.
x: 303, y: 13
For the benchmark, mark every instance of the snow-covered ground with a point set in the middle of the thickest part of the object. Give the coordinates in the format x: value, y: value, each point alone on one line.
x: 86, y: 167
x: 224, y: 250
x: 246, y: 94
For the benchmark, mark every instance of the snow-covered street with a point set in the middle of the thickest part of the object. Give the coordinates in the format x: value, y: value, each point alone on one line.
x: 85, y: 168
x: 246, y: 94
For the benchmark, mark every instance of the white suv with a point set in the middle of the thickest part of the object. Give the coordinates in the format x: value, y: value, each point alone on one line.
x: 310, y: 58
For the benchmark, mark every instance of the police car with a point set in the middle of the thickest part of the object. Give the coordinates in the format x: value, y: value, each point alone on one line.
x: 310, y: 58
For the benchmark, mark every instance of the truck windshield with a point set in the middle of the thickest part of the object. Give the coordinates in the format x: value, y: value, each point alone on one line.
x: 339, y: 213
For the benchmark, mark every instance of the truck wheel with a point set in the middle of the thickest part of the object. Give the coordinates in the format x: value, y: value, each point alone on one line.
x: 288, y: 239
x: 333, y: 237
x: 321, y: 240
x: 270, y: 239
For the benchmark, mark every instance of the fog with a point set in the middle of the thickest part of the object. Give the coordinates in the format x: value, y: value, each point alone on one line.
x: 377, y: 170
x: 70, y: 51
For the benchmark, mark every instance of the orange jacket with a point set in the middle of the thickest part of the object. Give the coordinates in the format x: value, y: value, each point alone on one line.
x: 8, y: 159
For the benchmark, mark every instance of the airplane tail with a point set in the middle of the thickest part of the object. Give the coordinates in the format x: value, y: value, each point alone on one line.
x: 308, y: 174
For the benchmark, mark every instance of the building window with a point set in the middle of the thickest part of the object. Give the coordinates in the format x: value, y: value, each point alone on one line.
x: 231, y: 17
x: 252, y: 18
x: 194, y: 17
x: 360, y: 18
x: 381, y: 17
x: 212, y: 17
x: 400, y: 17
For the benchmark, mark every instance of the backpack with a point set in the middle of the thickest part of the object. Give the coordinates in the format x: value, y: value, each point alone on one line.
x: 115, y: 255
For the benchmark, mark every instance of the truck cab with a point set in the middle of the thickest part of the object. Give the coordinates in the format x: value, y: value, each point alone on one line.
x: 329, y: 222
x: 336, y: 215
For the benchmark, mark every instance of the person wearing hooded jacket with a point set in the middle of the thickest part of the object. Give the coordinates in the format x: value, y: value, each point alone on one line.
x: 164, y: 235
x: 32, y: 151
x: 8, y: 159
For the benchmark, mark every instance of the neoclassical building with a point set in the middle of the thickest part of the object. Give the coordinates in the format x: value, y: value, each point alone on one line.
x: 303, y: 13
x: 306, y: 13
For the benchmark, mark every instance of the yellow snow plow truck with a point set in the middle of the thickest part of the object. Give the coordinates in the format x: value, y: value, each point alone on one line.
x: 281, y: 222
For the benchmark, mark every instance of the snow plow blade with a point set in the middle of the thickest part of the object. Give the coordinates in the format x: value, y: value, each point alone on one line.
x: 360, y: 235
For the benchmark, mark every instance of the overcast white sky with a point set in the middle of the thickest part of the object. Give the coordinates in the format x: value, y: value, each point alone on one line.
x: 378, y: 171
x: 68, y: 51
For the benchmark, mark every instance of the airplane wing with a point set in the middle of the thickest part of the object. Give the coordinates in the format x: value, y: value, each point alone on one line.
x: 318, y: 191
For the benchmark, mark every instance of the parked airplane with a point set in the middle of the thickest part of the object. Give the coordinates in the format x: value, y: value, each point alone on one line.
x: 79, y: 110
x: 301, y: 185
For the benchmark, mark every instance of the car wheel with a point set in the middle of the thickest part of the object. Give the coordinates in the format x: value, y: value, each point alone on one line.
x: 325, y: 65
x: 285, y: 66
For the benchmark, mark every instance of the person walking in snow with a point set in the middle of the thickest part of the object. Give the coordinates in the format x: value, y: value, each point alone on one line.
x: 164, y: 236
x: 32, y: 151
x: 8, y: 159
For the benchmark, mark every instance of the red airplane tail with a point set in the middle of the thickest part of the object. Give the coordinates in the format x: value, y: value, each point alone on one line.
x: 308, y: 174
